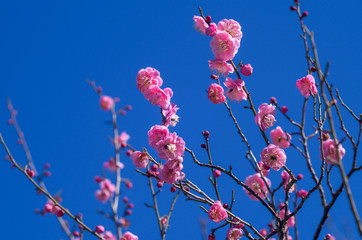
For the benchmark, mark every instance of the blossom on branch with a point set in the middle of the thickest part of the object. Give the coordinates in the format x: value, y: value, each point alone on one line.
x: 307, y: 86
x: 273, y: 156
x: 235, y: 89
x: 265, y: 116
x: 215, y: 93
x: 257, y: 184
x: 280, y: 138
x: 217, y: 213
x: 330, y: 151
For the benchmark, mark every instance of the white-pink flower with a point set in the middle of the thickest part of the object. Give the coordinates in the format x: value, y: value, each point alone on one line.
x: 223, y: 46
x: 307, y: 85
x: 112, y: 166
x: 232, y: 27
x: 280, y: 138
x: 217, y: 213
x: 156, y: 133
x: 128, y: 236
x: 148, y: 77
x: 221, y: 67
x: 170, y: 172
x: 257, y: 184
x: 215, y: 93
x: 273, y: 156
x: 330, y: 151
x: 171, y: 147
x: 290, y: 221
x: 159, y: 97
x: 200, y: 24
x: 265, y: 116
x: 234, y: 233
x: 235, y: 89
x: 170, y: 115
x: 139, y: 159
x: 123, y: 138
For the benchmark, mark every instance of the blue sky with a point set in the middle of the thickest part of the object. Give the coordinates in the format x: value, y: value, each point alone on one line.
x: 49, y: 48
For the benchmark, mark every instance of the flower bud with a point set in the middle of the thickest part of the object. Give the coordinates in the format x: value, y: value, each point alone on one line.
x: 293, y: 8
x: 304, y: 14
x: 30, y: 173
x: 208, y: 19
x: 203, y: 145
x: 284, y: 109
x: 99, y: 229
x: 246, y: 70
x: 273, y: 100
x: 217, y: 173
x: 173, y: 189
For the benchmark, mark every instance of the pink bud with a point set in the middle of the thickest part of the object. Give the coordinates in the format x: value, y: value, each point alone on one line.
x: 329, y: 237
x: 116, y: 99
x: 10, y: 121
x: 160, y: 184
x: 300, y: 176
x: 246, y: 70
x: 281, y: 205
x: 19, y: 141
x: 123, y: 145
x: 128, y: 153
x: 125, y: 199
x: 211, y: 236
x: 302, y: 193
x: 208, y: 19
x: 213, y: 76
x: 154, y: 167
x: 48, y: 207
x: 7, y: 158
x: 122, y: 112
x: 203, y: 145
x: 128, y: 212
x: 211, y: 30
x: 99, y: 229
x: 236, y: 224
x: 47, y: 165
x: 173, y: 189
x: 206, y: 134
x: 99, y: 89
x: 217, y: 173
x: 76, y: 234
x: 187, y: 189
x: 98, y: 179
x: 263, y: 232
x: 131, y: 205
x: 313, y: 69
x: 284, y: 109
x: 106, y: 103
x: 226, y: 206
x: 60, y: 213
x: 293, y: 8
x: 128, y: 107
x: 47, y: 173
x: 129, y: 184
x: 273, y: 100
x: 80, y: 226
x: 305, y: 13
x: 30, y: 173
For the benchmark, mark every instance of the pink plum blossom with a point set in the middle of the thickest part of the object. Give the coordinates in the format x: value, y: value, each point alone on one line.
x: 107, y: 185
x: 217, y: 213
x: 264, y: 168
x: 223, y: 46
x: 128, y: 236
x: 273, y: 156
x: 112, y: 166
x: 139, y: 159
x: 235, y: 89
x: 257, y: 184
x: 211, y: 30
x: 307, y: 84
x: 234, y: 233
x: 330, y: 151
x: 148, y: 77
x: 156, y: 133
x: 170, y: 115
x: 221, y: 67
x: 246, y: 70
x: 102, y: 195
x: 106, y: 103
x: 290, y: 221
x: 109, y: 236
x: 286, y: 179
x: 200, y: 24
x: 302, y: 193
x: 170, y: 172
x: 280, y: 138
x: 232, y: 27
x: 158, y: 97
x: 265, y: 116
x: 215, y: 93
x: 170, y: 147
x: 123, y: 138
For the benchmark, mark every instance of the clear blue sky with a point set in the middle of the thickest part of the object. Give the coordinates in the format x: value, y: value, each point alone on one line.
x: 49, y: 48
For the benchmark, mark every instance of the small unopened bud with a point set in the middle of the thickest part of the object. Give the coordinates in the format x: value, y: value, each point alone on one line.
x: 246, y: 70
x: 99, y: 229
x: 302, y: 193
x: 281, y: 205
x: 19, y: 141
x: 215, y: 77
x: 160, y: 184
x: 187, y: 189
x: 284, y: 109
x: 10, y: 121
x: 30, y: 173
x: 273, y: 100
x: 76, y: 234
x: 7, y: 158
x: 125, y: 199
x: 300, y: 176
x: 99, y: 89
x: 128, y: 107
x: 203, y: 145
x: 226, y: 206
x: 123, y: 145
x: 211, y: 236
x: 116, y: 99
x: 122, y: 112
x: 173, y: 189
x: 313, y: 69
x: 208, y: 19
x: 128, y: 212
x: 304, y: 14
x: 217, y: 173
x: 98, y: 179
x: 154, y: 167
x: 129, y: 184
x: 263, y: 232
x: 48, y: 207
x: 128, y: 153
x: 293, y: 8
x: 211, y: 30
x: 47, y: 173
x: 60, y: 213
x: 47, y: 165
x: 131, y: 205
x: 206, y: 134
x: 329, y: 237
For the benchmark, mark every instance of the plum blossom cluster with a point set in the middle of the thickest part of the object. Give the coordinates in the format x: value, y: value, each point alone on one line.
x: 225, y: 43
x: 169, y: 147
x: 107, y: 188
